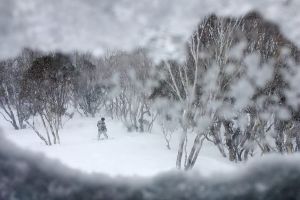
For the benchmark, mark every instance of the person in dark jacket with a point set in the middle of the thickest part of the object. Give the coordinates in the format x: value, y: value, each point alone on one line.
x: 102, y: 128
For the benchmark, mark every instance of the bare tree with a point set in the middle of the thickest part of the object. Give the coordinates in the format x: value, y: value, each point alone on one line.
x: 12, y: 108
x: 90, y: 92
x: 218, y: 85
x: 46, y: 88
x: 131, y: 81
x: 207, y: 48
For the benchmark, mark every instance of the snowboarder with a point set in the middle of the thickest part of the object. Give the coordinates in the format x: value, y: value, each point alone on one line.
x: 102, y: 128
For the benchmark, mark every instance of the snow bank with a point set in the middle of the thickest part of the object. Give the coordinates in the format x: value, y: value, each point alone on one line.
x: 24, y: 175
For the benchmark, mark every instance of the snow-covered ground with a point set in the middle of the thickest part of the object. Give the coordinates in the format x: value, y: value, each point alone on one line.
x: 124, y: 153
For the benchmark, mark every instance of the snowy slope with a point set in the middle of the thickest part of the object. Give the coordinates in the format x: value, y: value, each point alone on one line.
x: 123, y: 154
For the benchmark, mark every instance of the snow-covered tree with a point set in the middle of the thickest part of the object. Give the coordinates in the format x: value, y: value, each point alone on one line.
x: 219, y: 86
x: 90, y: 92
x: 47, y: 86
x: 12, y: 108
x: 131, y: 83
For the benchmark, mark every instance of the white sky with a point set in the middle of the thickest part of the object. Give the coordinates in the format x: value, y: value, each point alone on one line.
x: 92, y: 25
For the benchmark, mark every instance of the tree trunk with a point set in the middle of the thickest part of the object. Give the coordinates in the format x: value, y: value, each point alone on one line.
x: 57, y: 136
x: 38, y: 134
x: 181, y: 148
x: 47, y: 132
x: 14, y: 123
x: 298, y: 142
x: 194, y: 152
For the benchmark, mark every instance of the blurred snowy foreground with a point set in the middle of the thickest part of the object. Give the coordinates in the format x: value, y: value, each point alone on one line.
x: 27, y: 174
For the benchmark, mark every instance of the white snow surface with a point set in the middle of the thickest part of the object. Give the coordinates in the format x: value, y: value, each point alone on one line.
x: 123, y: 154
